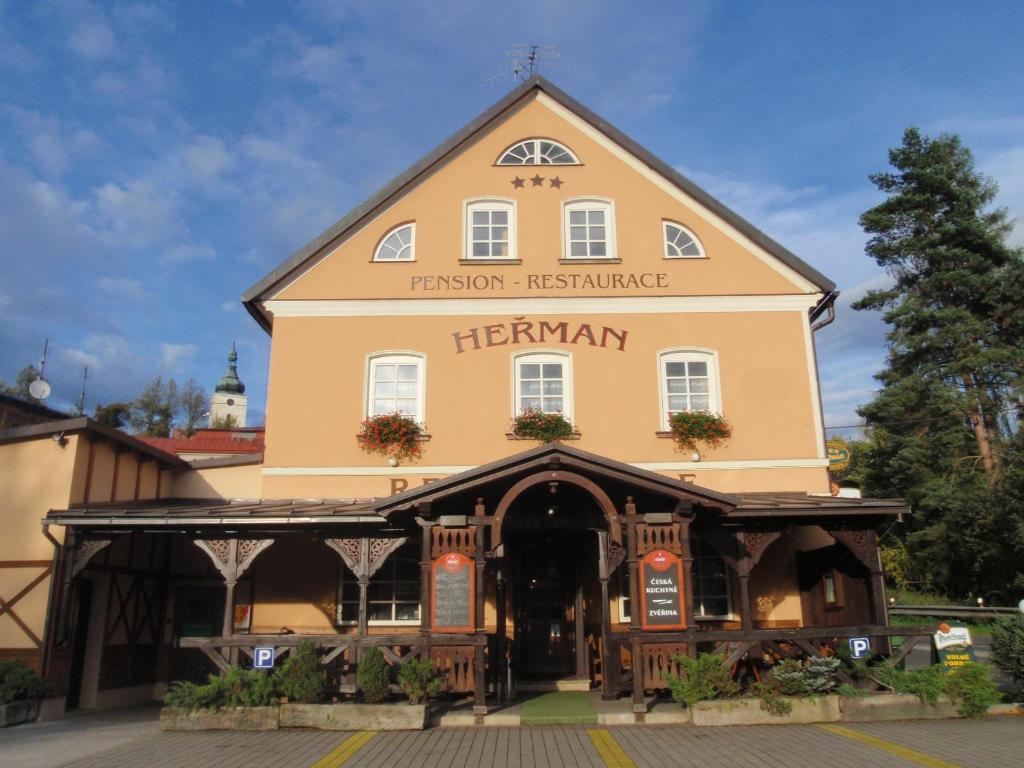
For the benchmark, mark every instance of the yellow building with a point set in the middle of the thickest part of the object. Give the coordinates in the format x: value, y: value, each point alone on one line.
x: 538, y: 261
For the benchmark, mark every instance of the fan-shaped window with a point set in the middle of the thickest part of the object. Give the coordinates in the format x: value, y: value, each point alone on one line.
x: 398, y: 245
x: 681, y: 243
x: 538, y: 152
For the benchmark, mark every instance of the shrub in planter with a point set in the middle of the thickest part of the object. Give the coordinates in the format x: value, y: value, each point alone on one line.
x: 813, y: 677
x: 373, y: 676
x: 419, y: 680
x: 970, y: 686
x: 18, y: 683
x: 392, y: 434
x: 1008, y: 649
x: 301, y: 678
x: 689, y: 428
x: 537, y: 425
x: 703, y: 679
x: 238, y: 688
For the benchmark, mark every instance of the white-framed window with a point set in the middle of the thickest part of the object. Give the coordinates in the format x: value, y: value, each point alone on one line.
x: 393, y: 594
x: 542, y: 382
x: 689, y: 382
x: 712, y: 598
x: 395, y: 384
x: 538, y: 152
x: 589, y: 229
x: 398, y: 245
x: 490, y: 229
x: 681, y: 243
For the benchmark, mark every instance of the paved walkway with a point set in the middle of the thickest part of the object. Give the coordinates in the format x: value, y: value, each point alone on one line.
x: 131, y: 740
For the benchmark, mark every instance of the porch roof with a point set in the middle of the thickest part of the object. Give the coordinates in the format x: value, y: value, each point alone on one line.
x: 808, y: 505
x: 172, y: 513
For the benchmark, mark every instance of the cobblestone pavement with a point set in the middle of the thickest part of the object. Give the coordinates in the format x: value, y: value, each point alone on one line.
x: 995, y: 741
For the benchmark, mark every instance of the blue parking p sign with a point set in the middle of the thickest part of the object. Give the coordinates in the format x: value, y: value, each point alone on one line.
x: 860, y: 647
x: 263, y: 658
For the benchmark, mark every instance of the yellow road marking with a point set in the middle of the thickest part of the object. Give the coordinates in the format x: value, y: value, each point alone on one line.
x: 892, y: 748
x: 609, y: 750
x: 344, y: 751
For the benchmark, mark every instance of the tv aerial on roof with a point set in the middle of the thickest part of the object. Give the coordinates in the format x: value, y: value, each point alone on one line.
x: 40, y: 388
x: 526, y: 60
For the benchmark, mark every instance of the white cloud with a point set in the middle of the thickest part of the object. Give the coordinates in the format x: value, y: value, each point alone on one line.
x: 51, y: 143
x: 180, y: 254
x: 206, y: 158
x: 137, y: 213
x: 124, y: 288
x: 93, y: 39
x: 173, y: 354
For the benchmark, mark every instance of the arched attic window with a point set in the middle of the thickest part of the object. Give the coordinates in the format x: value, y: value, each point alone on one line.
x: 538, y: 152
x: 681, y: 243
x: 398, y: 244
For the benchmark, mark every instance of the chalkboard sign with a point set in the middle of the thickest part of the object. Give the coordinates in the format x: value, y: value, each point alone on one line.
x: 451, y: 600
x: 661, y: 591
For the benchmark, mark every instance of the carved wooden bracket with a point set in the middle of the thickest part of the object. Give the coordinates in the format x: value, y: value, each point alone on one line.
x: 616, y: 555
x: 232, y: 557
x: 364, y: 557
x: 84, y: 552
x: 756, y: 542
x: 861, y: 544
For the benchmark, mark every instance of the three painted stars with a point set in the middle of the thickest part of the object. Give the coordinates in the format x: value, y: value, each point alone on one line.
x: 537, y: 181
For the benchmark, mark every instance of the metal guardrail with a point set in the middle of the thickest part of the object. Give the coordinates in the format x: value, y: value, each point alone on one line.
x: 951, y: 611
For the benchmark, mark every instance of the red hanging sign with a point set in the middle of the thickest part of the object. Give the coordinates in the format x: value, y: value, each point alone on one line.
x: 661, y: 591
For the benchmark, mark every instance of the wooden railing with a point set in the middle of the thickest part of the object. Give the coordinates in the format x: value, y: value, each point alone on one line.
x: 453, y: 654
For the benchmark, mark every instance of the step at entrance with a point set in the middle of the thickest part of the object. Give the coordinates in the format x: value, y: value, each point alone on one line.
x: 565, y: 684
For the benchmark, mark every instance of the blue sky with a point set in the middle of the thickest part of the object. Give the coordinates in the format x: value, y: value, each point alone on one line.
x: 157, y: 158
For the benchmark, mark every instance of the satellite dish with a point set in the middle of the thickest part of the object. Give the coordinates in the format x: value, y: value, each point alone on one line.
x: 39, y: 389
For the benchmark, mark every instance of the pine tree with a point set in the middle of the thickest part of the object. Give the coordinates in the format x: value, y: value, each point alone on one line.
x: 954, y: 322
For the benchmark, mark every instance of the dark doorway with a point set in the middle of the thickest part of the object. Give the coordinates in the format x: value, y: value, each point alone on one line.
x: 80, y: 642
x: 546, y: 615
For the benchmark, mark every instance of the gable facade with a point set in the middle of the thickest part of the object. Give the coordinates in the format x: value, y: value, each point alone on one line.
x: 608, y: 266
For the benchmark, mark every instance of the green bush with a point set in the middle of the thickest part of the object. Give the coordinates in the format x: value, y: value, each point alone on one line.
x: 18, y: 682
x: 813, y: 677
x: 238, y: 688
x: 301, y: 678
x: 970, y: 686
x: 419, y: 680
x: 1008, y: 648
x: 373, y: 676
x: 703, y: 679
x: 771, y: 697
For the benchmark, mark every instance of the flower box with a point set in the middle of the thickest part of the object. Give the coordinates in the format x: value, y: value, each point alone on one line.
x: 19, y: 712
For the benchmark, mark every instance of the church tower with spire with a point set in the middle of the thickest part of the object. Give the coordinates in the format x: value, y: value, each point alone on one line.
x: 228, y: 403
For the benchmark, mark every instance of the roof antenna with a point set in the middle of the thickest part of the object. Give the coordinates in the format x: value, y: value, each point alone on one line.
x: 81, y: 398
x: 40, y: 388
x: 525, y: 61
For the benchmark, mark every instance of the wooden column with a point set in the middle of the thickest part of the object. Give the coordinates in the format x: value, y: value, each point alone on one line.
x: 687, y: 552
x: 479, y: 680
x: 579, y: 628
x: 426, y: 528
x: 635, y: 647
x: 743, y: 567
x: 609, y: 674
x: 501, y: 652
x: 363, y: 574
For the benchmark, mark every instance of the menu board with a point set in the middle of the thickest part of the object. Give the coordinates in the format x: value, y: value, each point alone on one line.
x: 661, y: 591
x: 451, y: 594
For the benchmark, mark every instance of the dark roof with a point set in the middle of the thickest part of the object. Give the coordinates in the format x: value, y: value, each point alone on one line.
x: 330, y: 237
x: 96, y: 431
x: 182, y: 512
x: 798, y: 504
x: 35, y: 409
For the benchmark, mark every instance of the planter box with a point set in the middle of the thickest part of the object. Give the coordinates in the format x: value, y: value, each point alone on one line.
x: 824, y: 709
x: 239, y: 719
x: 19, y: 712
x: 355, y: 717
x: 894, y: 706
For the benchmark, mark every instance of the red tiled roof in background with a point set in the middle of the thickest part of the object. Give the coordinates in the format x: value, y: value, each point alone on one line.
x: 227, y: 441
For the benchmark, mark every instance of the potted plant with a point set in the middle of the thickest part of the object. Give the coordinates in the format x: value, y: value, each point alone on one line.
x: 546, y: 427
x: 392, y: 435
x: 688, y: 428
x: 20, y: 691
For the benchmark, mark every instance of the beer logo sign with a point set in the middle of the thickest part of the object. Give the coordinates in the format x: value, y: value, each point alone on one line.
x: 839, y: 455
x: 661, y: 560
x: 452, y: 563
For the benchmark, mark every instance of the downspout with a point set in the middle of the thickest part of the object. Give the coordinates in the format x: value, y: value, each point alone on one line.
x: 826, y: 305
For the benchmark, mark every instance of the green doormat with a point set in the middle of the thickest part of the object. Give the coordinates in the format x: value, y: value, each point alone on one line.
x: 558, y: 709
